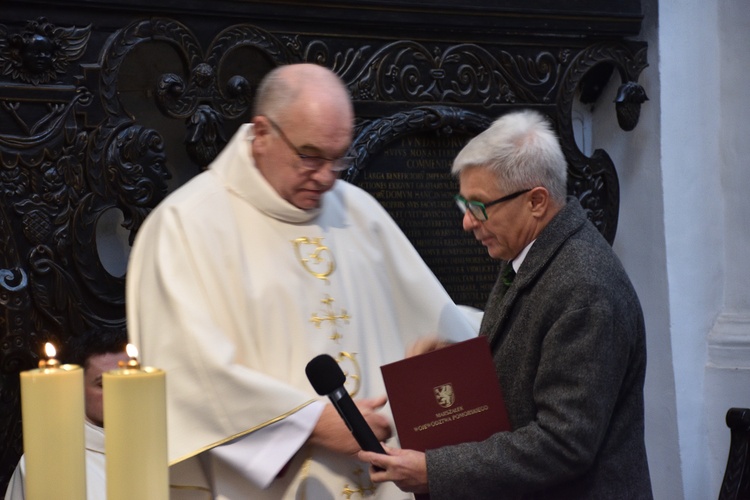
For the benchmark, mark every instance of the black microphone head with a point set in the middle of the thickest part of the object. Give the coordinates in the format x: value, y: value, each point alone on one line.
x: 325, y: 374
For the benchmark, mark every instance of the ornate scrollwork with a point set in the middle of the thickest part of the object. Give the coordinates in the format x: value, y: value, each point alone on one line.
x: 196, y: 97
x: 136, y: 174
x: 180, y: 98
x: 15, y: 304
x: 371, y: 137
x: 52, y: 130
x: 128, y: 174
x: 125, y: 40
x: 11, y: 280
x: 53, y: 190
x: 593, y: 180
x: 463, y: 73
x: 14, y: 298
x: 15, y: 346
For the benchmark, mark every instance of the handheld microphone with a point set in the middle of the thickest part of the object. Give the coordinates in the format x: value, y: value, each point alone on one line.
x: 327, y: 379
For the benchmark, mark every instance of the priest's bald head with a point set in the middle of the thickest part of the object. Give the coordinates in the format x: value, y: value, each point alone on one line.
x: 302, y: 125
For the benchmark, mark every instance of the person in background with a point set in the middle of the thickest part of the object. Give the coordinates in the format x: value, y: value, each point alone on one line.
x: 566, y: 331
x: 254, y: 267
x: 97, y: 351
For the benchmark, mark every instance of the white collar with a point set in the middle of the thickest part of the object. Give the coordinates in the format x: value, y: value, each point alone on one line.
x: 94, y: 437
x: 236, y: 167
x: 521, y: 256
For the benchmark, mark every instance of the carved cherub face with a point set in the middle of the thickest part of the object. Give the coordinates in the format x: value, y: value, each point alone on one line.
x: 41, y: 52
x: 37, y: 53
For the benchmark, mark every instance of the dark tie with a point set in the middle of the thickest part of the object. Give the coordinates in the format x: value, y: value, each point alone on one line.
x: 508, y: 275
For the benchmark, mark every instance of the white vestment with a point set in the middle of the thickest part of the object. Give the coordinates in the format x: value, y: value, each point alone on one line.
x: 96, y: 487
x: 232, y: 291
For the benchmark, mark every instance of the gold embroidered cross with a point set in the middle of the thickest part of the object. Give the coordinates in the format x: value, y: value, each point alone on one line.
x: 331, y: 316
x: 362, y: 490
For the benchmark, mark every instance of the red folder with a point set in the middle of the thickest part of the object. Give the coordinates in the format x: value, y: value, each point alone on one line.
x: 448, y: 396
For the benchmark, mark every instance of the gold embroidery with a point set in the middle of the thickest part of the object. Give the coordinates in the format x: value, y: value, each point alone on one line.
x: 304, y: 476
x: 240, y: 434
x: 363, y: 491
x: 345, y: 358
x: 330, y: 315
x: 319, y: 260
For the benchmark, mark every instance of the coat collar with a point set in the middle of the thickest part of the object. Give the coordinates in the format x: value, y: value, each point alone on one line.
x: 562, y: 226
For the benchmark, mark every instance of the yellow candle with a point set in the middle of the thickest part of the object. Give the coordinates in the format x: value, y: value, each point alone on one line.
x: 135, y: 439
x: 52, y: 411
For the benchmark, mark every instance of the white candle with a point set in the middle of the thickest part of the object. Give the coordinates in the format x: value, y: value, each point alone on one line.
x: 135, y: 439
x: 52, y: 409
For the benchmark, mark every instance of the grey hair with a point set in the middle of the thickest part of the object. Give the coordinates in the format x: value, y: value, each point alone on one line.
x: 522, y: 150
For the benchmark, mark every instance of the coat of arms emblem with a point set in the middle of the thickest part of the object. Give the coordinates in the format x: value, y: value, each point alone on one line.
x: 444, y: 395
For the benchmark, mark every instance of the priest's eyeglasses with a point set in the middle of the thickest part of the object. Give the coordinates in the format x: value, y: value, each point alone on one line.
x: 311, y: 162
x: 478, y: 209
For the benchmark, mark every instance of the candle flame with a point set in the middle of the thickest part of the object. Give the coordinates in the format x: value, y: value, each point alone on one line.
x: 50, y: 350
x: 50, y: 362
x: 132, y: 351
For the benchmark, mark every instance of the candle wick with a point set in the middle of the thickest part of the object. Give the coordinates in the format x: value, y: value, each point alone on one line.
x: 132, y: 364
x: 49, y: 363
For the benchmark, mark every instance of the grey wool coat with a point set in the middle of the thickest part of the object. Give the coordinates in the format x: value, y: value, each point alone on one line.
x: 568, y: 343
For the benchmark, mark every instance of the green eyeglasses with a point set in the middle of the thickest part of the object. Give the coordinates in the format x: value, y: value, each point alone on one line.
x: 478, y: 209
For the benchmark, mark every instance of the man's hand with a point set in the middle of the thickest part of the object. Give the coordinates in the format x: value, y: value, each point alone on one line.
x: 426, y: 344
x: 332, y: 433
x: 406, y: 468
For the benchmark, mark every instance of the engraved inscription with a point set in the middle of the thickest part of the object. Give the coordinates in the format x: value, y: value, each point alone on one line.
x: 451, y: 416
x: 411, y: 178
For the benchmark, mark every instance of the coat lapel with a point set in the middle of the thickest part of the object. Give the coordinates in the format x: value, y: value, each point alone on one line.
x: 502, y: 298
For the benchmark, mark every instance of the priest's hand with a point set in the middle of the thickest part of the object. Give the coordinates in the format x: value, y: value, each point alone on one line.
x: 332, y: 433
x: 426, y: 344
x: 406, y: 468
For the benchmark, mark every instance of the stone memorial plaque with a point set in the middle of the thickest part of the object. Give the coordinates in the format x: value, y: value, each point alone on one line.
x: 411, y: 178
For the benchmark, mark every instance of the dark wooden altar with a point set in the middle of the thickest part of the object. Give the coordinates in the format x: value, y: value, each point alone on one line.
x: 105, y: 107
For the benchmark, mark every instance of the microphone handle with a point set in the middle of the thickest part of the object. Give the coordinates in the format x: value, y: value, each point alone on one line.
x: 355, y: 421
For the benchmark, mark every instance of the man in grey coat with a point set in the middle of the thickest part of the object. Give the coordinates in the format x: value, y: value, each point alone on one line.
x: 566, y: 332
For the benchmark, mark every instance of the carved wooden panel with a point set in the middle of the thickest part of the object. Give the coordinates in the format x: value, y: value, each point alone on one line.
x: 105, y: 110
x: 736, y: 482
